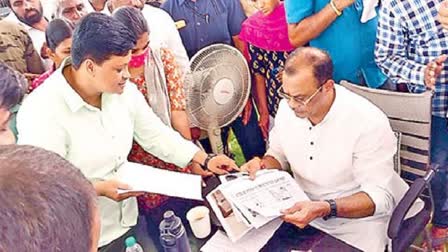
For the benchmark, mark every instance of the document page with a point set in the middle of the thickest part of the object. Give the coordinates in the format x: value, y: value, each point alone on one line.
x: 144, y: 178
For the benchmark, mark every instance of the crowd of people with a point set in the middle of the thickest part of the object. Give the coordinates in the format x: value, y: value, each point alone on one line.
x: 86, y: 86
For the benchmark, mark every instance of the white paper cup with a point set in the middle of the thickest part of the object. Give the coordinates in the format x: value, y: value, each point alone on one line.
x: 199, y: 218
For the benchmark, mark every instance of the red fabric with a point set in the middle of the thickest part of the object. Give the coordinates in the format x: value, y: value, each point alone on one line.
x: 39, y: 80
x: 177, y: 102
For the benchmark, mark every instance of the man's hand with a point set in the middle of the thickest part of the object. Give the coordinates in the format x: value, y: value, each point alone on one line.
x: 197, y: 169
x: 433, y: 70
x: 302, y: 213
x: 108, y: 188
x: 442, y: 17
x: 342, y: 4
x: 252, y: 167
x: 221, y: 164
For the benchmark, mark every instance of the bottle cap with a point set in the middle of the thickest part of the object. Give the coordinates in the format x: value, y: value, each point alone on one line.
x: 130, y: 241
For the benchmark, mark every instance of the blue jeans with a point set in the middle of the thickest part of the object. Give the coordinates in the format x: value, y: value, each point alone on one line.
x: 439, y: 184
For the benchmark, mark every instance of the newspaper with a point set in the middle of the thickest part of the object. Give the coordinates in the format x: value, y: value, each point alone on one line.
x: 242, y: 204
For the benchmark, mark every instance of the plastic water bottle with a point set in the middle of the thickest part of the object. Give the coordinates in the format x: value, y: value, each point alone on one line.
x: 132, y: 245
x: 173, y: 236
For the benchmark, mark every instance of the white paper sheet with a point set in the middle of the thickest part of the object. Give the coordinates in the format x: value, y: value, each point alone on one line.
x: 253, y: 241
x: 144, y: 178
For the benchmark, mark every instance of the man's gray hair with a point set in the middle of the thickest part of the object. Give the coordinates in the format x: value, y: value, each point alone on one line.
x: 54, y: 8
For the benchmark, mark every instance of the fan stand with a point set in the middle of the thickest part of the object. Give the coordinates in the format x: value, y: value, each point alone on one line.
x: 223, y: 92
x: 214, y: 136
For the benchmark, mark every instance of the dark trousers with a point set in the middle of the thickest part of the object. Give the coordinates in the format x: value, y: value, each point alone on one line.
x: 249, y: 137
x: 439, y: 183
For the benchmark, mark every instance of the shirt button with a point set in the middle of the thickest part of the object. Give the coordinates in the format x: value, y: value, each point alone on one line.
x: 312, y: 143
x: 311, y: 158
x: 202, y: 40
x: 311, y: 128
x: 198, y: 24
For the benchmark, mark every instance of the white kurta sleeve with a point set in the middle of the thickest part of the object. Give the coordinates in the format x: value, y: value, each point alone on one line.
x: 373, y: 165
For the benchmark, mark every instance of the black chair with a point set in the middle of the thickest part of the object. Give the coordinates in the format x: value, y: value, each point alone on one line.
x: 404, y: 232
x: 410, y: 118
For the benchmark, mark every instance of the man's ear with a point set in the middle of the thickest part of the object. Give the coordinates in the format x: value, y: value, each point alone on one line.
x: 328, y: 85
x: 90, y: 67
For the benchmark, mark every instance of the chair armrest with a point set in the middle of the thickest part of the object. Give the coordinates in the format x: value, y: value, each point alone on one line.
x: 403, y: 207
x: 406, y: 203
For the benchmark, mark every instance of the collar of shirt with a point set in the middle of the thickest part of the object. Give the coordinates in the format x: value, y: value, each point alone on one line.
x: 335, y: 108
x: 71, y: 97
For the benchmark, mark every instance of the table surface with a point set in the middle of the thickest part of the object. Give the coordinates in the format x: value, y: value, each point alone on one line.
x: 288, y: 237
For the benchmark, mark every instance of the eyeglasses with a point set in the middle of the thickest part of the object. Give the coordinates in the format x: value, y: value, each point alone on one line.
x: 301, y: 102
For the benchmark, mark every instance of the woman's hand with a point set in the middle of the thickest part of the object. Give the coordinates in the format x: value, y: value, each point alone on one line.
x: 264, y: 124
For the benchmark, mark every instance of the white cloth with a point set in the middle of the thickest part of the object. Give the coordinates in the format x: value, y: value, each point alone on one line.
x: 97, y: 141
x: 350, y: 151
x: 163, y: 33
x: 369, y: 10
x: 37, y: 36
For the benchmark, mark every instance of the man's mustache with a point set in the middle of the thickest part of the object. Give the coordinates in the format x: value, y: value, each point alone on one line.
x: 27, y: 12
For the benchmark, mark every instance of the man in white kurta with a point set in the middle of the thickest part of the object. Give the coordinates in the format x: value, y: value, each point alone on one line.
x: 340, y: 148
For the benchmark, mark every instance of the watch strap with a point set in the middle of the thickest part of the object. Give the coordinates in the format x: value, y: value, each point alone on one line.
x: 333, y: 209
x: 209, y: 157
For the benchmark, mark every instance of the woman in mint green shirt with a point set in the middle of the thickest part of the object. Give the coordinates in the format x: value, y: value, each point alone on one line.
x: 88, y: 114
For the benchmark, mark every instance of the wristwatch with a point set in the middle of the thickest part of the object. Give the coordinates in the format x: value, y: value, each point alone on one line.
x: 333, y: 209
x: 209, y: 157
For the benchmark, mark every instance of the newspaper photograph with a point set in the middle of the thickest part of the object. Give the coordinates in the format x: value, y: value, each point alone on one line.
x: 234, y: 226
x: 242, y: 204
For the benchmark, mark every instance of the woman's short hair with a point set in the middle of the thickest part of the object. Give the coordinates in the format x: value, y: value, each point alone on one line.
x: 12, y: 87
x: 57, y: 31
x: 133, y: 19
